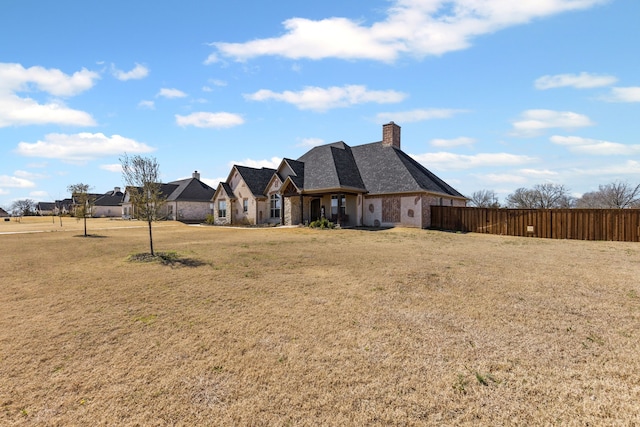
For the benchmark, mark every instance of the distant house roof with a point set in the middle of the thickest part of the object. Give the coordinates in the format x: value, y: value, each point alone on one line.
x: 186, y: 190
x: 189, y: 190
x: 45, y: 206
x: 256, y: 179
x: 3, y: 213
x: 110, y: 198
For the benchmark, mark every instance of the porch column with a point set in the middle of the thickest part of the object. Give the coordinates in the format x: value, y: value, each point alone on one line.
x: 301, y: 209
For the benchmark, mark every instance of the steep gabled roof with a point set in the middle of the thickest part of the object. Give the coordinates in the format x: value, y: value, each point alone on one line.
x: 386, y: 169
x: 289, y: 170
x: 111, y: 198
x: 331, y: 166
x: 256, y: 179
x: 190, y: 190
x: 3, y: 213
x: 45, y: 206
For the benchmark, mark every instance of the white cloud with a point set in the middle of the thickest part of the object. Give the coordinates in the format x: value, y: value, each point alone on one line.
x: 138, y: 72
x: 538, y: 172
x: 412, y: 27
x: 533, y: 122
x: 447, y: 161
x: 81, y: 147
x: 171, y: 93
x: 16, y: 78
x: 272, y: 163
x: 418, y: 115
x: 595, y: 147
x: 455, y: 142
x: 28, y: 175
x: 145, y: 104
x: 578, y: 81
x: 39, y: 195
x: 15, y: 182
x: 113, y: 167
x: 501, y: 178
x: 630, y: 167
x: 22, y: 111
x: 16, y: 111
x: 203, y: 119
x: 213, y: 182
x: 321, y: 99
x: 624, y: 94
x: 310, y: 142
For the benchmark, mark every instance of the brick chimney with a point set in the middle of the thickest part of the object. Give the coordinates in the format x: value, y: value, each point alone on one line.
x: 196, y: 175
x: 391, y: 135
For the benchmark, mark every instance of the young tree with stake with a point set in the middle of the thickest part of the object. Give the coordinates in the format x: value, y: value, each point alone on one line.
x: 83, y: 202
x: 142, y: 178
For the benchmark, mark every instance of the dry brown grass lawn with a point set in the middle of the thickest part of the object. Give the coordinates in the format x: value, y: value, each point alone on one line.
x: 306, y: 327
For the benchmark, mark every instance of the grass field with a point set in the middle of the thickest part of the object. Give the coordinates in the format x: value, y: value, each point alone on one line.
x: 307, y: 327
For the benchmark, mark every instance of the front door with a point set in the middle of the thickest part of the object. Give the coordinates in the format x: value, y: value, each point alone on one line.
x: 315, y: 209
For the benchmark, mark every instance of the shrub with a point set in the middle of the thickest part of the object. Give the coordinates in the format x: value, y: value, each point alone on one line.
x: 322, y: 224
x: 210, y: 219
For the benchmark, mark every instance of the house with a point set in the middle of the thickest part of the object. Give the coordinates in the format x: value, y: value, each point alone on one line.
x: 45, y: 208
x: 375, y: 184
x: 186, y: 200
x: 108, y: 205
x: 4, y: 214
x: 242, y: 199
x: 63, y: 206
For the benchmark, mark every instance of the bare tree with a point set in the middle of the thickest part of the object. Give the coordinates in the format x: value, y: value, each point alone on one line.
x: 24, y: 207
x: 541, y: 196
x: 616, y: 195
x: 83, y: 202
x: 142, y: 178
x: 484, y: 199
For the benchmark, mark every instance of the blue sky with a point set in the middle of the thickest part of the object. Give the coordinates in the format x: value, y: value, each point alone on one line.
x: 490, y: 94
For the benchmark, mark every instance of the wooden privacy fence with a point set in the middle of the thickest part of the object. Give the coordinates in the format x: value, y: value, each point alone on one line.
x: 581, y: 224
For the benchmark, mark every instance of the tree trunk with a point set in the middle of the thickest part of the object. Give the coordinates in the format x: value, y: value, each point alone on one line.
x: 150, y: 240
x: 85, y: 225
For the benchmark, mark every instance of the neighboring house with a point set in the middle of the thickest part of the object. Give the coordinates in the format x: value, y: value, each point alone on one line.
x: 242, y: 198
x: 45, y: 208
x: 4, y: 214
x: 63, y: 206
x: 186, y: 200
x: 374, y: 184
x: 108, y: 205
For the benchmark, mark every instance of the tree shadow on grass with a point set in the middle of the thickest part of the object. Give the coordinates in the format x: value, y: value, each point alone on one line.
x: 171, y: 259
x: 92, y: 236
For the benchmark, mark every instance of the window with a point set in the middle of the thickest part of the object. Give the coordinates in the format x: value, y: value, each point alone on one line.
x: 342, y: 204
x: 274, y: 203
x: 222, y: 208
x: 245, y: 205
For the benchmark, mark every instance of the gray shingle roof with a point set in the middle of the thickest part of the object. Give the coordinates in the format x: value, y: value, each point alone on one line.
x: 228, y: 190
x: 191, y: 190
x: 331, y: 166
x: 298, y: 170
x: 256, y: 179
x: 112, y: 198
x: 387, y: 170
